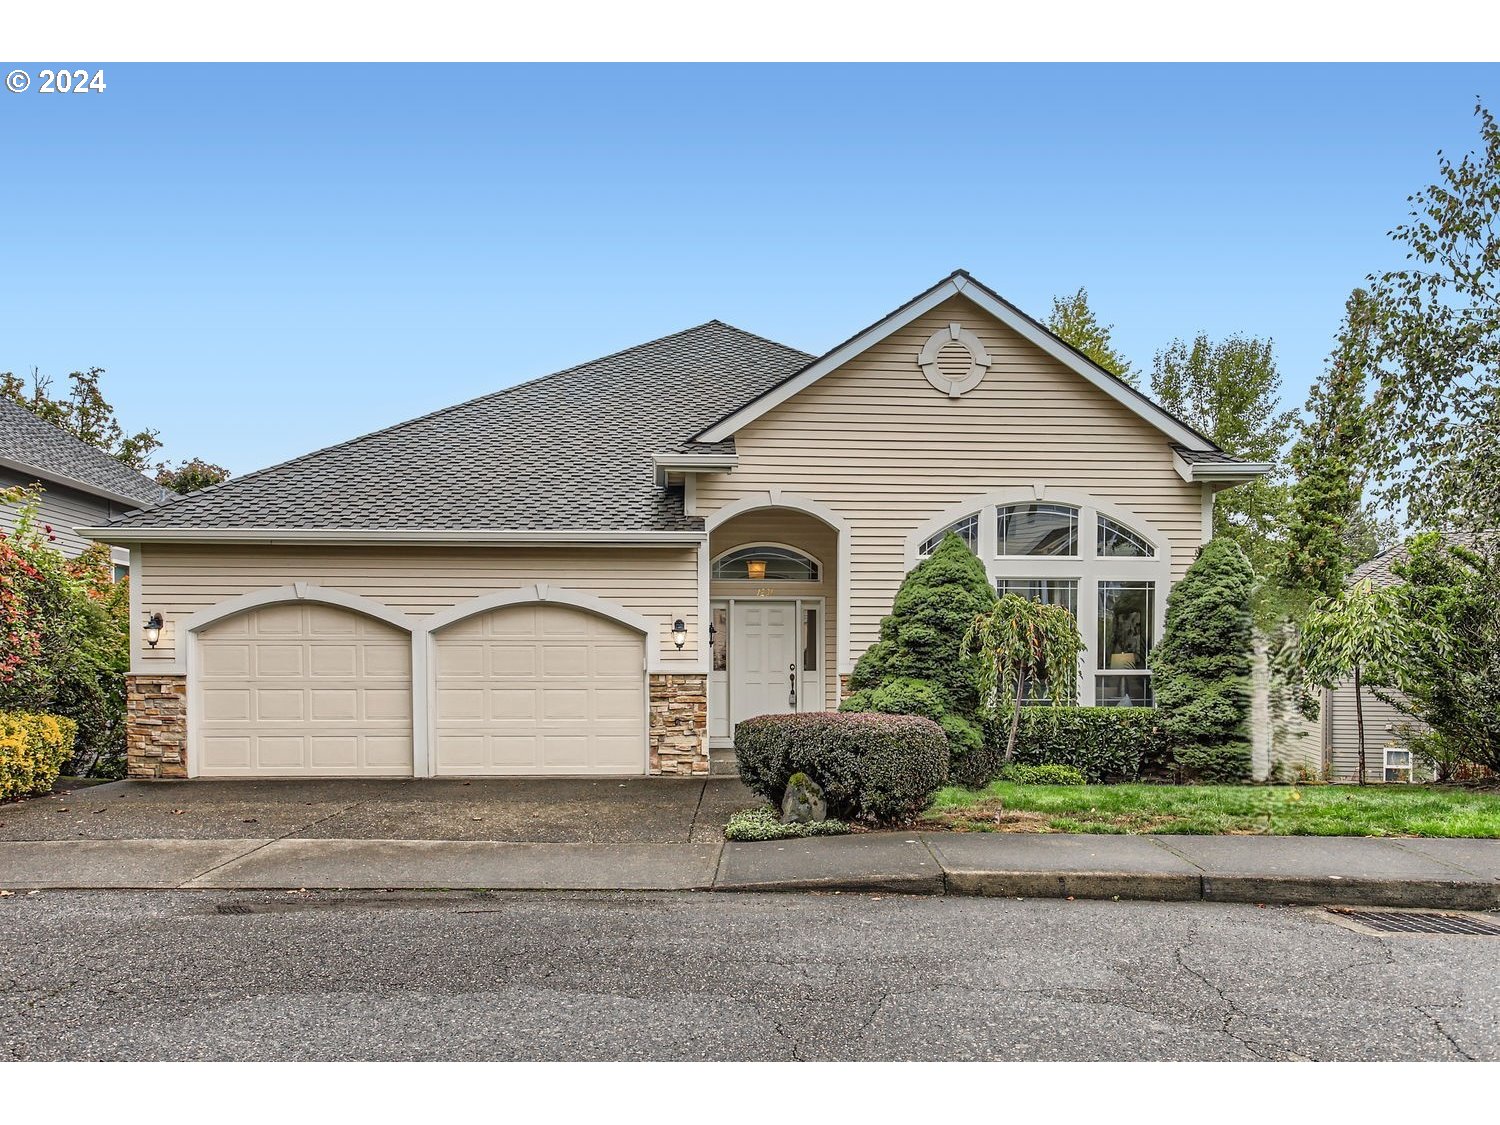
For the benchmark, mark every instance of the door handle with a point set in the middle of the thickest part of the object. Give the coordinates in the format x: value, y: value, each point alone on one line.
x: 792, y: 695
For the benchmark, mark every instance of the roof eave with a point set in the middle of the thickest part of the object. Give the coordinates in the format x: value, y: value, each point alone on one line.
x: 67, y: 481
x: 1225, y: 473
x: 125, y: 536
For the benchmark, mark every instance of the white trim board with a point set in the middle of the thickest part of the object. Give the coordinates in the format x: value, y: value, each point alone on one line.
x: 959, y: 284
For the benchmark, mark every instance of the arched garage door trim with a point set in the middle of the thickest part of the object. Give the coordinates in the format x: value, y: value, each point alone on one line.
x: 541, y: 593
x: 187, y: 657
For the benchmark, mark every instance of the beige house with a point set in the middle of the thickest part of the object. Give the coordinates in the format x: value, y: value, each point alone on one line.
x: 604, y: 570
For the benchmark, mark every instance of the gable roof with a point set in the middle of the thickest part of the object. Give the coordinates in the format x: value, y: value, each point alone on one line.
x: 30, y: 445
x: 960, y: 283
x: 569, y: 454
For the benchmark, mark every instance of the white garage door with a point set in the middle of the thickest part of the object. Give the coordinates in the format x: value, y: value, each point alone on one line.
x: 303, y: 690
x: 539, y: 689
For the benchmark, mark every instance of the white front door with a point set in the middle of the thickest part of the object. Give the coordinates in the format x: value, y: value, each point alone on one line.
x: 762, y: 659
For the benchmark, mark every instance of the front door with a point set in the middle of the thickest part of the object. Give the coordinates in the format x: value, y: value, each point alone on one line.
x: 762, y: 659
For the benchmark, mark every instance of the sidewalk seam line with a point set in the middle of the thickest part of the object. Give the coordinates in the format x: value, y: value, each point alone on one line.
x: 226, y: 863
x: 267, y: 844
x: 942, y: 868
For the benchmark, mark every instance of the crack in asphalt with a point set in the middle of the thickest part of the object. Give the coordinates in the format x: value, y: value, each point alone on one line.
x: 1444, y: 1032
x: 1232, y: 1010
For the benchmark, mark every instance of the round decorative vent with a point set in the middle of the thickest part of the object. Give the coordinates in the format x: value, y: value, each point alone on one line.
x: 954, y: 360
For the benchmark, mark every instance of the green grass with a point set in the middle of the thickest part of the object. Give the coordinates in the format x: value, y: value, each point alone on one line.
x: 1314, y: 810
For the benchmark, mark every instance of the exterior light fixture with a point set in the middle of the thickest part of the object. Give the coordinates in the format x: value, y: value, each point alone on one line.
x: 755, y: 569
x: 679, y: 632
x: 153, y: 629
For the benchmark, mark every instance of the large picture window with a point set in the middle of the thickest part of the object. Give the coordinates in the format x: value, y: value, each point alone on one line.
x: 1038, y: 529
x: 1109, y: 569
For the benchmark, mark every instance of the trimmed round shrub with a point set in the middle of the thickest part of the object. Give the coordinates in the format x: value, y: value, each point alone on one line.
x: 871, y: 766
x: 907, y: 695
x: 33, y: 750
x: 1050, y: 774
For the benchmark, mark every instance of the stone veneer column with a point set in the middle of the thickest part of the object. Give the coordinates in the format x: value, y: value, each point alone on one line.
x: 679, y: 724
x: 156, y: 726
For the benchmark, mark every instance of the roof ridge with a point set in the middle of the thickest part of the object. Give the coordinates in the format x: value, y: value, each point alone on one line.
x: 233, y: 482
x: 100, y: 457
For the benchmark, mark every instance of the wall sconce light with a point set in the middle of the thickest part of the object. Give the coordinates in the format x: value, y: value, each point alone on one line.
x: 679, y: 632
x: 153, y: 629
x: 755, y: 569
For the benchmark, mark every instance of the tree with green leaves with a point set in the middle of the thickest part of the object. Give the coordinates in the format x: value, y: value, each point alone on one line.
x: 190, y: 476
x: 1358, y: 634
x: 919, y: 667
x: 1229, y: 391
x: 1435, y: 422
x: 1201, y: 670
x: 83, y: 412
x: 1448, y: 676
x: 1075, y: 322
x: 1020, y: 643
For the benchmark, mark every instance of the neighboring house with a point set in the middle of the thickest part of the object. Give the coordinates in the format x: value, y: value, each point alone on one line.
x: 604, y: 570
x: 1387, y: 756
x: 82, y: 485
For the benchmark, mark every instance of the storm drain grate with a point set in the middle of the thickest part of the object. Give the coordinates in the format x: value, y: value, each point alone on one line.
x: 1396, y: 922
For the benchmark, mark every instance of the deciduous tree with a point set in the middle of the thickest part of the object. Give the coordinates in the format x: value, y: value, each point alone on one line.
x: 1074, y: 321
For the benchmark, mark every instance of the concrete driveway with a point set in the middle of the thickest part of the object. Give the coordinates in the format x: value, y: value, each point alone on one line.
x: 547, y: 810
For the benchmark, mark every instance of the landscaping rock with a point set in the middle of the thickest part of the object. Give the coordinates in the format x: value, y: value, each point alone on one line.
x: 804, y: 802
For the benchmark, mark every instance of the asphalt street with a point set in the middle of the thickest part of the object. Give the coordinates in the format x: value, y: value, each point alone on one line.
x: 370, y: 975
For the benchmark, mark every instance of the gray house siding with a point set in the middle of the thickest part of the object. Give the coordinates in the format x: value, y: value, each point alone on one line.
x: 64, y: 509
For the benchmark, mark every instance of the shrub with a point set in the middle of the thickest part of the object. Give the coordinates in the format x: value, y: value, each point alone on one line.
x: 33, y: 749
x: 762, y: 823
x: 918, y: 666
x: 1202, y: 666
x: 1050, y: 774
x: 1102, y: 743
x: 870, y: 766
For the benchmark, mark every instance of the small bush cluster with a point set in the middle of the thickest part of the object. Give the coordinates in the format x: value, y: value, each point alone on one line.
x: 874, y: 767
x: 763, y: 823
x: 1050, y: 774
x: 33, y: 749
x: 1102, y: 743
x: 918, y: 666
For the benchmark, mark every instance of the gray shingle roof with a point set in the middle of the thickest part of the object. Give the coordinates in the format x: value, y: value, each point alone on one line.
x: 567, y: 452
x: 40, y: 447
x: 1206, y: 456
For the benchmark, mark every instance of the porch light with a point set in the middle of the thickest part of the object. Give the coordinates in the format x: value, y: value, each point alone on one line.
x: 679, y: 632
x: 153, y: 629
x: 755, y: 569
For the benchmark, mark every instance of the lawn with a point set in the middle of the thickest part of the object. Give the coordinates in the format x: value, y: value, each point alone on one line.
x: 1316, y: 810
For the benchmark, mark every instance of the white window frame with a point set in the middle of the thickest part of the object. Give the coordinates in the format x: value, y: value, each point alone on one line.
x: 722, y: 555
x: 1409, y: 767
x: 1086, y: 567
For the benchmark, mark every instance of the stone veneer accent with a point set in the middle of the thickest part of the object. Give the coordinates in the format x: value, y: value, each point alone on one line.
x: 156, y: 726
x: 679, y: 725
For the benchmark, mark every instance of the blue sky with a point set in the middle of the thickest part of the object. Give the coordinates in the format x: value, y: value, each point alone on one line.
x: 267, y: 259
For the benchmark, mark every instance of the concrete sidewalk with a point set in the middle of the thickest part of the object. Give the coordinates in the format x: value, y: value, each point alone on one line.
x: 1439, y: 874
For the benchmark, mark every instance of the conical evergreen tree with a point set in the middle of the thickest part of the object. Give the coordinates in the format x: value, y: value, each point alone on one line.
x: 1201, y: 669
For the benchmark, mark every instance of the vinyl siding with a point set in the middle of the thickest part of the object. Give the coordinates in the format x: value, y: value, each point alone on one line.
x: 659, y: 583
x: 1342, y: 729
x: 63, y: 507
x: 877, y: 444
x: 799, y: 530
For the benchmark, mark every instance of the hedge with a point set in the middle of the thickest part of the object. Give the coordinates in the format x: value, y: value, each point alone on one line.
x: 33, y: 749
x: 871, y: 766
x: 1102, y: 743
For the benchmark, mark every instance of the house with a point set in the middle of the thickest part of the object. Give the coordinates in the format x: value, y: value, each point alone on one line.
x: 602, y: 571
x: 82, y: 485
x: 1387, y: 753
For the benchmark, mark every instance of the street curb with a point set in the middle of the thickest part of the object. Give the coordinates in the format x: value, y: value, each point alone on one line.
x: 1075, y: 884
x: 930, y: 885
x: 1457, y: 894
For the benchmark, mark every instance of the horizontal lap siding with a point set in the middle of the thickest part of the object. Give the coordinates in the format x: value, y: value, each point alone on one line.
x: 62, y: 508
x: 878, y: 445
x: 659, y: 583
x: 1343, y: 733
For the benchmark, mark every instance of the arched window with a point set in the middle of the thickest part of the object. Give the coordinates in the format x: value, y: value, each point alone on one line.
x: 1116, y: 541
x: 766, y: 562
x: 966, y: 529
x: 1038, y: 529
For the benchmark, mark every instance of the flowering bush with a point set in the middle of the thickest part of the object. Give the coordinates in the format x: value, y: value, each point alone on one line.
x: 33, y: 749
x: 64, y: 642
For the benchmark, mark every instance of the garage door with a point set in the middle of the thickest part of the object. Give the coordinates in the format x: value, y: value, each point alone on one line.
x: 539, y: 689
x: 303, y: 690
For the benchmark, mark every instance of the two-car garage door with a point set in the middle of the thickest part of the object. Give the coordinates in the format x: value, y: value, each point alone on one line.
x: 305, y: 689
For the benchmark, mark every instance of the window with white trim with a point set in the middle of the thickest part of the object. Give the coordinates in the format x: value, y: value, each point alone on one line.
x: 1397, y: 764
x: 966, y: 529
x: 766, y: 562
x: 1109, y: 569
x: 1048, y: 591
